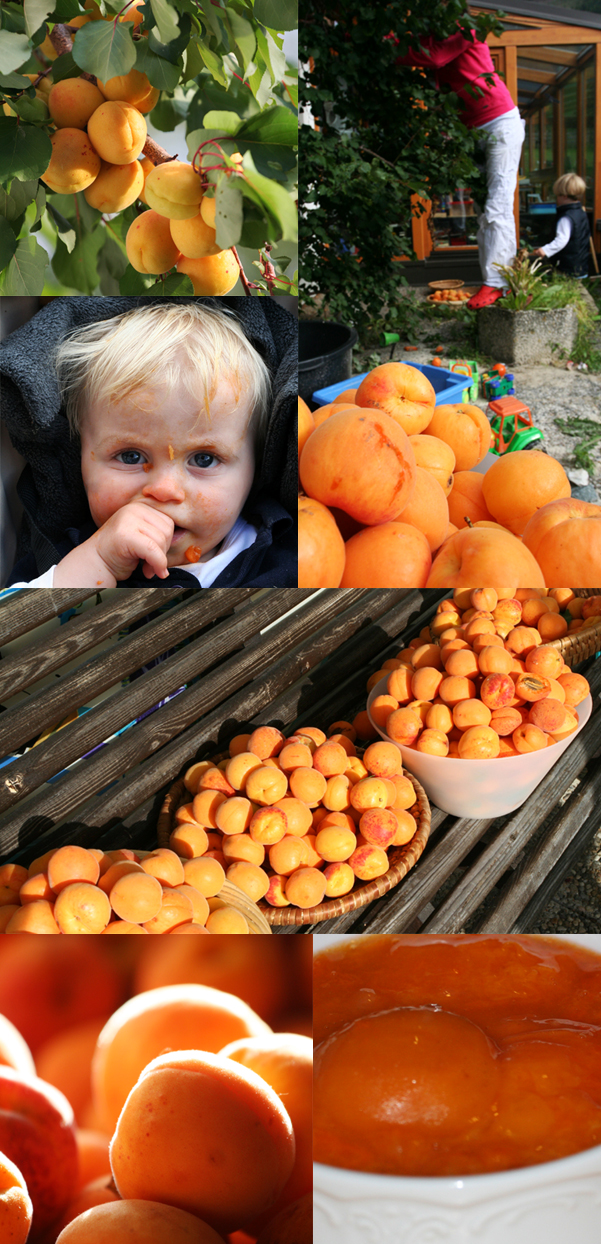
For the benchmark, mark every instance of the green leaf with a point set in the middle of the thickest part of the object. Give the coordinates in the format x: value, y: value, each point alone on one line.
x: 64, y: 9
x: 30, y: 109
x: 228, y: 212
x: 277, y: 14
x: 275, y: 201
x: 160, y: 72
x: 211, y: 19
x: 166, y: 20
x: 175, y: 283
x: 24, y: 150
x: 14, y: 50
x: 165, y: 116
x: 40, y: 203
x: 133, y: 282
x: 275, y: 126
x: 78, y: 268
x: 244, y: 35
x: 111, y: 266
x: 8, y: 243
x: 105, y: 49
x: 222, y: 122
x: 254, y: 233
x: 64, y: 227
x: 272, y: 54
x: 194, y: 61
x: 213, y: 63
x: 64, y: 67
x: 12, y: 18
x: 22, y: 193
x: 260, y: 84
x: 172, y: 50
x: 36, y: 12
x: 26, y: 271
x: 14, y: 82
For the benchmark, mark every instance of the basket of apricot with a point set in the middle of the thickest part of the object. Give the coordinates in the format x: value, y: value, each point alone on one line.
x: 478, y: 686
x: 305, y: 826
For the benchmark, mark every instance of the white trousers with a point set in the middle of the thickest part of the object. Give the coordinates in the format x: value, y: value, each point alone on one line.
x: 502, y: 140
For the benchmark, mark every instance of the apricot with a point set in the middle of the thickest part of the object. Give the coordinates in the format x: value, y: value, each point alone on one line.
x: 72, y: 102
x: 381, y: 708
x: 505, y: 720
x: 176, y: 908
x: 529, y: 738
x: 399, y: 684
x: 212, y: 276
x: 285, y: 1061
x: 74, y: 163
x: 570, y: 724
x: 335, y: 843
x: 379, y: 827
x: 531, y: 687
x: 389, y: 554
x: 456, y: 687
x: 65, y: 1061
x: 433, y: 742
x: 14, y: 1050
x: 37, y: 1134
x: 193, y: 775
x: 132, y: 88
x: 379, y: 466
x: 552, y: 626
x: 471, y: 713
x: 337, y: 793
x: 406, y: 827
x: 266, y: 785
x: 426, y: 683
x: 174, y: 190
x: 465, y: 429
x: 205, y: 874
x: 287, y: 855
x: 305, y: 887
x: 35, y: 917
x: 506, y: 615
x: 330, y: 758
x: 576, y: 688
x: 297, y: 813
x: 497, y: 690
x: 403, y: 726
x: 463, y: 663
x: 402, y: 392
x: 205, y: 806
x: 149, y: 245
x: 16, y: 1209
x: 369, y: 862
x: 466, y: 500
x: 226, y: 919
x: 97, y: 1191
x: 250, y: 878
x: 494, y: 659
x: 189, y: 840
x: 307, y: 785
x: 165, y: 865
x: 117, y: 132
x: 436, y: 457
x: 427, y: 509
x: 520, y: 483
x: 276, y: 894
x: 266, y: 741
x: 382, y: 759
x: 194, y: 238
x: 138, y: 1221
x: 548, y: 714
x: 339, y: 878
x: 238, y: 768
x: 484, y: 554
x: 479, y: 743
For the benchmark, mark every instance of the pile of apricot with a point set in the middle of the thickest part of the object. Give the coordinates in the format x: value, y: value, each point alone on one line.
x: 449, y: 295
x: 485, y: 680
x: 75, y: 890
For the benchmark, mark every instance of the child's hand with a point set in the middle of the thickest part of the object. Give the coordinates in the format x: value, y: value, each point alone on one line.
x: 135, y: 532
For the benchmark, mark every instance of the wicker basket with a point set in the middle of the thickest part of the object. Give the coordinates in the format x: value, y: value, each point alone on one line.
x: 401, y: 860
x: 445, y: 284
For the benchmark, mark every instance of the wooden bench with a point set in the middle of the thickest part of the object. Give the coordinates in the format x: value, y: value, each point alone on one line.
x: 204, y: 665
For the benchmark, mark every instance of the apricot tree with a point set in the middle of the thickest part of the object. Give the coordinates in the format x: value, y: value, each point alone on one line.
x: 80, y: 81
x: 383, y: 133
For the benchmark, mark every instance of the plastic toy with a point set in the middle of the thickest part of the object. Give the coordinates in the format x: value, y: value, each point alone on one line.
x: 469, y: 368
x: 512, y: 427
x: 495, y: 385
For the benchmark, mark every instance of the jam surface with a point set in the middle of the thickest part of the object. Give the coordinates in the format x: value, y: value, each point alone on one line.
x: 455, y: 1055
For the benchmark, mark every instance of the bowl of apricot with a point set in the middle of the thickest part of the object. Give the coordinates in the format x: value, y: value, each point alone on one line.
x: 469, y: 780
x: 457, y: 1089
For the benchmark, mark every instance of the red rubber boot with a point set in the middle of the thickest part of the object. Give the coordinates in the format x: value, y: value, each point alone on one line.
x: 487, y: 294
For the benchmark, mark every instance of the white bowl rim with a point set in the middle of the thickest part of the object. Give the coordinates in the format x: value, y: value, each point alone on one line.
x: 455, y: 1189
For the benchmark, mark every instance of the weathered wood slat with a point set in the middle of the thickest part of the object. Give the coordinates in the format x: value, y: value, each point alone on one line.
x: 568, y: 825
x: 30, y: 608
x: 457, y: 909
x: 50, y: 705
x: 21, y: 824
x: 48, y: 758
x: 78, y: 634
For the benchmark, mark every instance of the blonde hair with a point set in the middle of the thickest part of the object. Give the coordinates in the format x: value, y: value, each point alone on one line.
x: 570, y: 185
x: 113, y: 358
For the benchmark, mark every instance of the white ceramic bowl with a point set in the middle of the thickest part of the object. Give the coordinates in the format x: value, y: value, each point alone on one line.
x: 554, y: 1203
x: 478, y: 788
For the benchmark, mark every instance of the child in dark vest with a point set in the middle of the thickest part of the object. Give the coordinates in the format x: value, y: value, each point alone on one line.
x: 571, y: 242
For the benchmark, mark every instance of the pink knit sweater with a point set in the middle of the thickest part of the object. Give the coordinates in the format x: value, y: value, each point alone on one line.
x: 460, y: 64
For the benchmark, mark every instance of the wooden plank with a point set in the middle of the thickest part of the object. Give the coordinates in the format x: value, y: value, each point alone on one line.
x: 31, y: 607
x: 535, y: 75
x: 79, y: 633
x: 581, y: 840
x: 550, y: 34
x: 565, y: 827
x: 597, y: 161
x: 553, y: 56
x: 52, y: 704
x: 457, y: 909
x: 23, y: 823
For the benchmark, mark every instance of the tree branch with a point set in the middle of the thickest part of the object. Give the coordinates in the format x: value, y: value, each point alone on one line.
x: 157, y: 154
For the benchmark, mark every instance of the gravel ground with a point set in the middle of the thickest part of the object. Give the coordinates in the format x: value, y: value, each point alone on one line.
x: 549, y: 390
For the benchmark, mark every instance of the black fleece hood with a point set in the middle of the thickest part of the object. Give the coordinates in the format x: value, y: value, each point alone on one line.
x: 51, y: 486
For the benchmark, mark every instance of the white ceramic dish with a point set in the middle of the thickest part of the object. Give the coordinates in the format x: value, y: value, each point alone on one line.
x: 553, y: 1203
x: 477, y: 788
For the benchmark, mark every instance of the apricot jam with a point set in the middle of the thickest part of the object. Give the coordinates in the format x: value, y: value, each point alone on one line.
x: 455, y: 1055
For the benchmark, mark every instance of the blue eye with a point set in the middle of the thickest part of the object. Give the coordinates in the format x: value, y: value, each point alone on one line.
x: 130, y: 457
x: 204, y: 460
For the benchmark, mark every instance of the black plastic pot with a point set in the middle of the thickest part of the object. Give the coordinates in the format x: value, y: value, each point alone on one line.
x: 325, y: 355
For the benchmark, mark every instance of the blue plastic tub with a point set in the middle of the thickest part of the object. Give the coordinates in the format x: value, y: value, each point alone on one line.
x: 447, y: 385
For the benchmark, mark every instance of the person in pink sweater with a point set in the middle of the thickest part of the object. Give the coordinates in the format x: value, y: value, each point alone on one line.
x: 466, y: 67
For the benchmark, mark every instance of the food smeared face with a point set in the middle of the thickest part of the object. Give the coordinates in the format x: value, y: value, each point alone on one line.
x: 168, y: 449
